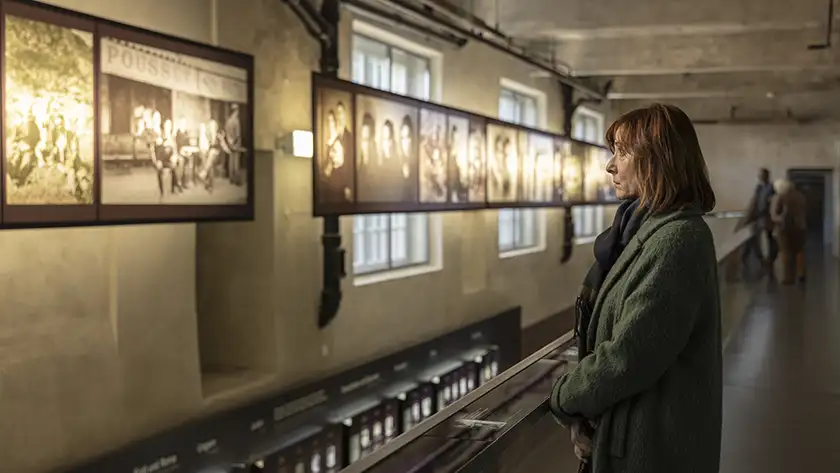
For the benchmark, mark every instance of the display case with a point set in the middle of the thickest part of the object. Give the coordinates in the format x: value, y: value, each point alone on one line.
x: 332, y: 453
x: 391, y: 412
x: 410, y: 408
x: 467, y: 378
x: 488, y: 364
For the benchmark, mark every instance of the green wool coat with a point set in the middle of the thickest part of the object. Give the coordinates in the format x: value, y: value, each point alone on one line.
x: 653, y: 383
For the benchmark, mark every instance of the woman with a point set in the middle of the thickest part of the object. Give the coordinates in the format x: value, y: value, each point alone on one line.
x: 646, y: 395
x: 788, y: 212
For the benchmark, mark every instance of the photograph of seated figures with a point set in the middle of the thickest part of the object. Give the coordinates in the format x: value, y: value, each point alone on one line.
x: 49, y: 113
x: 172, y: 127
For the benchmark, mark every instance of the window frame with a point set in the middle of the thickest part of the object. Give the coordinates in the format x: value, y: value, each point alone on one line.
x: 540, y: 237
x: 432, y: 233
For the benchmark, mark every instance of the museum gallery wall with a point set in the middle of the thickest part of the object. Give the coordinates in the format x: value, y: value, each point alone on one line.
x: 106, y: 123
x: 381, y: 152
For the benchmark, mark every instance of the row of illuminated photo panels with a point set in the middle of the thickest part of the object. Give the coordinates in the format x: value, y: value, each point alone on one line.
x: 380, y: 152
x: 101, y: 113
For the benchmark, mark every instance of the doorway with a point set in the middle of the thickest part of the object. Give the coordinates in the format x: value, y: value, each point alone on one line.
x: 818, y: 187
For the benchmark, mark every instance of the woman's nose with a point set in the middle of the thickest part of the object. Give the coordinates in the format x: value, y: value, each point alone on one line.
x: 611, y: 166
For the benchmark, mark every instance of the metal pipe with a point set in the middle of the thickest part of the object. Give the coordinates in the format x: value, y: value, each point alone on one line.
x: 429, y: 15
x: 400, y: 21
x: 828, y: 30
x: 463, y: 14
x: 311, y: 19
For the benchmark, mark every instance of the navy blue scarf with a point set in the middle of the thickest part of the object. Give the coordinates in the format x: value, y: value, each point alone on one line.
x: 608, y: 247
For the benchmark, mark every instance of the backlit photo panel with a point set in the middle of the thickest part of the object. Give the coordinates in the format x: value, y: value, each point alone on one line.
x: 386, y: 151
x: 596, y: 182
x: 174, y: 127
x: 542, y: 148
x: 573, y: 172
x: 49, y: 113
x: 477, y: 160
x: 334, y: 157
x: 458, y: 146
x: 562, y: 148
x: 502, y: 164
x: 527, y: 168
x: 434, y: 156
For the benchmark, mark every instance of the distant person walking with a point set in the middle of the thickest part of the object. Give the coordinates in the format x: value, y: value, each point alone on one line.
x: 758, y: 217
x: 789, y: 214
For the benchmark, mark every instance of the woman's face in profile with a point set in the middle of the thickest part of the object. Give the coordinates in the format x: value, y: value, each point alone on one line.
x: 622, y: 171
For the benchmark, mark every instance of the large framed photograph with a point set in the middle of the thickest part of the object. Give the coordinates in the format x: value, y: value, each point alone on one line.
x: 572, y: 172
x: 541, y: 147
x: 562, y: 149
x: 434, y: 156
x: 49, y: 112
x: 502, y: 164
x: 335, y: 175
x: 386, y: 151
x: 597, y: 182
x: 175, y: 129
x: 467, y: 159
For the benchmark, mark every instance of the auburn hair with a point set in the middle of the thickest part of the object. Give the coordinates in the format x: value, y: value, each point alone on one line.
x: 665, y: 154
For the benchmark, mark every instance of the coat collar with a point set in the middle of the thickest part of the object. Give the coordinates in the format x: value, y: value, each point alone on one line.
x: 651, y: 224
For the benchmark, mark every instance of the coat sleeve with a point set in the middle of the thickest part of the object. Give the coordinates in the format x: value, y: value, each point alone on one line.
x: 656, y: 321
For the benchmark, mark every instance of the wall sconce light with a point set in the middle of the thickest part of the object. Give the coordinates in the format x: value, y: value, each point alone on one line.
x: 298, y: 143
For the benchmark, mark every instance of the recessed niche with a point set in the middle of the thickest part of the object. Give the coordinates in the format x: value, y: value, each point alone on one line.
x: 236, y: 338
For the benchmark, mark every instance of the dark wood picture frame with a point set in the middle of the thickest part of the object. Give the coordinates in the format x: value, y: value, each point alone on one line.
x: 99, y: 213
x: 353, y: 207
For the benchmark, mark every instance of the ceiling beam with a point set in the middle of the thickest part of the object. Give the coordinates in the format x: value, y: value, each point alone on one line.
x: 513, y: 15
x: 754, y: 85
x: 748, y: 52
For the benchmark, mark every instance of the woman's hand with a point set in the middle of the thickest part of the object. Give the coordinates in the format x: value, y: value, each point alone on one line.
x: 582, y: 440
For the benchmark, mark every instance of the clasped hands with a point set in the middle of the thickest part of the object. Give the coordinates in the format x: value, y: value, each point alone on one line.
x: 583, y: 432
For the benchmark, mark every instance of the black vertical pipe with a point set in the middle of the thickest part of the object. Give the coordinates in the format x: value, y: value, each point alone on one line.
x: 334, y: 254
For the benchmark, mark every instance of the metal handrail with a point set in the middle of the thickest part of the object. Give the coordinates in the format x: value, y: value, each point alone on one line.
x: 369, y: 461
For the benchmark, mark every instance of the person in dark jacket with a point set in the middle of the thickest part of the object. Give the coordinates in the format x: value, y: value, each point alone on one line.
x: 646, y: 396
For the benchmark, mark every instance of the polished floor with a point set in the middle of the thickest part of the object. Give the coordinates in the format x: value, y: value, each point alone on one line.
x: 782, y: 376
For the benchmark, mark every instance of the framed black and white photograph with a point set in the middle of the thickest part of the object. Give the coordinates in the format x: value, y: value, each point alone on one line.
x: 49, y: 112
x: 541, y: 148
x: 477, y: 152
x: 597, y: 182
x: 562, y: 148
x: 458, y: 148
x: 573, y: 172
x: 335, y: 163
x: 434, y: 157
x: 175, y: 128
x: 386, y: 151
x: 502, y: 164
x: 527, y: 168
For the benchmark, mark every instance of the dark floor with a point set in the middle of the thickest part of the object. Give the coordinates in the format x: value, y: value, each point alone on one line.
x: 782, y: 377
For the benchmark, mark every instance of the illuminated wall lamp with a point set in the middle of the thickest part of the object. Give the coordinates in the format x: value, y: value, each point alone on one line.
x: 298, y: 143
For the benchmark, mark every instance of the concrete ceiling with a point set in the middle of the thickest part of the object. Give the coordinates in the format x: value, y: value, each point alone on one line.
x: 749, y: 54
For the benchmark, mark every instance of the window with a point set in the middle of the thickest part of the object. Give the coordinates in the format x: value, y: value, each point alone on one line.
x: 520, y: 230
x: 389, y: 241
x: 385, y: 242
x: 588, y: 125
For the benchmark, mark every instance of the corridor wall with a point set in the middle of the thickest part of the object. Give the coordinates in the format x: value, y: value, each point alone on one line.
x: 107, y: 334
